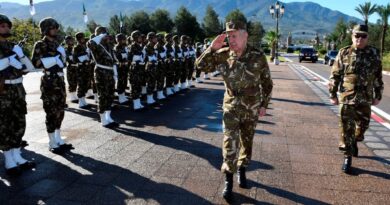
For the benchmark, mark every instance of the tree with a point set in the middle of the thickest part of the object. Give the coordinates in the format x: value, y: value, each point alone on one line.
x: 211, y: 25
x: 384, y: 13
x: 139, y: 21
x: 160, y: 20
x: 271, y: 39
x: 70, y: 31
x: 25, y: 32
x: 186, y: 24
x: 236, y: 15
x: 366, y: 10
x: 91, y: 26
x: 114, y: 24
x: 256, y: 33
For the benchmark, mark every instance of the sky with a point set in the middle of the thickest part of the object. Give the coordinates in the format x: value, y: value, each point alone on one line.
x: 344, y: 6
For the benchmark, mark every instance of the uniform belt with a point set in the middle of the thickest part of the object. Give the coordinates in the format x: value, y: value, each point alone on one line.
x: 153, y: 62
x: 104, y: 66
x: 124, y: 63
x: 14, y: 81
x: 73, y: 64
x: 61, y: 74
x: 84, y: 63
x: 139, y: 63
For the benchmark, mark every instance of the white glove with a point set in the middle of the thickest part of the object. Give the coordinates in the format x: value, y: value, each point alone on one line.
x: 98, y: 38
x: 18, y: 50
x: 115, y: 68
x: 59, y: 61
x: 4, y: 63
x: 28, y: 64
x: 14, y: 62
x: 49, y: 62
x: 61, y: 50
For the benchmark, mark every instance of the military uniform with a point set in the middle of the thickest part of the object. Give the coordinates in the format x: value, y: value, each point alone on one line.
x: 50, y: 55
x: 191, y: 64
x: 71, y: 69
x: 186, y: 62
x: 13, y: 109
x: 357, y: 75
x: 178, y: 63
x: 170, y: 63
x: 122, y: 52
x: 198, y: 52
x: 137, y: 69
x: 161, y: 66
x: 82, y: 59
x: 105, y: 74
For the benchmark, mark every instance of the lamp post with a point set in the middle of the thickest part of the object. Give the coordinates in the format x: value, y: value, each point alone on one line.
x: 276, y: 12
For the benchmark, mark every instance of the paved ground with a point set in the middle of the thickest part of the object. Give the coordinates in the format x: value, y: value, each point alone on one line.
x: 171, y: 154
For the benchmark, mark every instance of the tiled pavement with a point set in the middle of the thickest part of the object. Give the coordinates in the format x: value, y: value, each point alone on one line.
x: 170, y: 154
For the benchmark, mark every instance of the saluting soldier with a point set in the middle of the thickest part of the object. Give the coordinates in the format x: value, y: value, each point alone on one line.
x: 170, y: 71
x: 357, y: 75
x: 137, y: 69
x: 50, y: 55
x: 122, y: 52
x: 105, y: 73
x: 81, y: 57
x: 13, y: 108
x: 162, y: 65
x: 248, y: 86
x: 71, y: 69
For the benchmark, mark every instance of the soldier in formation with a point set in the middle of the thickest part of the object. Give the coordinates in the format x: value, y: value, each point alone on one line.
x: 357, y: 76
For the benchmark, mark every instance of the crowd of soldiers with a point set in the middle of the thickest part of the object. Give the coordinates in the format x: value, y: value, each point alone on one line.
x: 103, y: 66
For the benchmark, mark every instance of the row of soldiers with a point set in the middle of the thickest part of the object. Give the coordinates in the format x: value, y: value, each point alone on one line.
x: 163, y: 63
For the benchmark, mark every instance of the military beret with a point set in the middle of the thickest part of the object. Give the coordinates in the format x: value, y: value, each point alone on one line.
x: 235, y: 25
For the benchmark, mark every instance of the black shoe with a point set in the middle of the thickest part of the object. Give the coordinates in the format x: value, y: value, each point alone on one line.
x: 111, y: 125
x: 241, y: 177
x: 66, y: 146
x: 13, y: 172
x: 57, y: 150
x: 227, y: 192
x: 347, y: 164
x: 27, y: 165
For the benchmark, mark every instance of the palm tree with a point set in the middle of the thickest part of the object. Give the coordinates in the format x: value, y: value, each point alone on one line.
x: 366, y: 10
x: 271, y: 39
x: 384, y: 13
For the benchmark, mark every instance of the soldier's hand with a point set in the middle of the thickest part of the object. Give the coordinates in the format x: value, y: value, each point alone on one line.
x: 262, y: 111
x: 334, y: 101
x: 375, y: 102
x: 218, y: 42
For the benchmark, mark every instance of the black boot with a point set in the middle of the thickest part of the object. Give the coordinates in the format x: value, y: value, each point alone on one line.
x: 241, y: 177
x: 227, y: 193
x: 347, y: 164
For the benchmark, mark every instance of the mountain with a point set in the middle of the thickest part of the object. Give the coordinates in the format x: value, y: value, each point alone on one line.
x: 298, y: 15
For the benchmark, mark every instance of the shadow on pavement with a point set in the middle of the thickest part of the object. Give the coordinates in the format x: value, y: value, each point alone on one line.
x: 300, y: 102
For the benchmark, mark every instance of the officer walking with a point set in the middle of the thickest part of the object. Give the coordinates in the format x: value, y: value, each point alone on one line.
x: 357, y: 75
x: 105, y: 74
x: 248, y: 86
x: 50, y: 55
x: 13, y: 109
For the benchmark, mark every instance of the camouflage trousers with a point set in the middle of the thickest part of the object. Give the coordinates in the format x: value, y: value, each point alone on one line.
x: 238, y: 129
x: 354, y: 121
x: 151, y: 77
x: 136, y: 79
x: 191, y: 69
x: 71, y: 76
x: 84, y: 79
x: 184, y: 71
x: 123, y: 74
x: 160, y: 76
x: 178, y: 67
x: 53, y: 97
x: 170, y: 74
x: 13, y: 110
x: 105, y: 85
x: 91, y: 81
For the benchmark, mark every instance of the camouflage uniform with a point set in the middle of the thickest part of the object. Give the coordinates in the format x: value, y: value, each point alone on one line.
x: 248, y: 87
x: 151, y: 66
x: 162, y: 63
x: 122, y: 52
x: 71, y: 65
x: 170, y: 70
x: 186, y: 62
x: 191, y: 64
x: 137, y: 68
x: 81, y: 57
x: 198, y: 52
x: 357, y: 75
x: 178, y: 62
x: 13, y: 109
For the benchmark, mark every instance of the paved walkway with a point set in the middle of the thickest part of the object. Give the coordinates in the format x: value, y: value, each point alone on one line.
x: 170, y: 154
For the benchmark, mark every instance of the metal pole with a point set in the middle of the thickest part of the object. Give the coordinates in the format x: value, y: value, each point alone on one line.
x: 277, y: 33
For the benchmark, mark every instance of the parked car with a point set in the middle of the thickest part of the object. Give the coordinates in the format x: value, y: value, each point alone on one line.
x: 330, y: 57
x: 308, y: 54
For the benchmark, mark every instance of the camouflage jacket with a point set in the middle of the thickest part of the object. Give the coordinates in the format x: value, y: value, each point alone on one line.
x: 136, y: 54
x: 9, y: 72
x: 45, y: 48
x: 161, y: 52
x: 102, y: 55
x: 69, y: 55
x: 169, y: 50
x: 247, y: 78
x: 121, y: 53
x: 80, y: 50
x: 178, y: 52
x: 357, y: 75
x: 150, y: 53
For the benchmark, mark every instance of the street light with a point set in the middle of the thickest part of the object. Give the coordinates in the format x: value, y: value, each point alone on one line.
x: 276, y: 12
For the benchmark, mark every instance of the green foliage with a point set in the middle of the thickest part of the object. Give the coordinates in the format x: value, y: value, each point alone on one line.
x: 114, y: 25
x: 186, y: 24
x: 366, y: 10
x: 25, y: 32
x: 236, y: 15
x: 256, y: 33
x: 386, y: 62
x: 139, y: 20
x: 211, y: 24
x: 160, y: 20
x: 91, y: 26
x: 322, y: 51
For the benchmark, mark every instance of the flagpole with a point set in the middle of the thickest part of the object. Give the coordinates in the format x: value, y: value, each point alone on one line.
x: 32, y: 13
